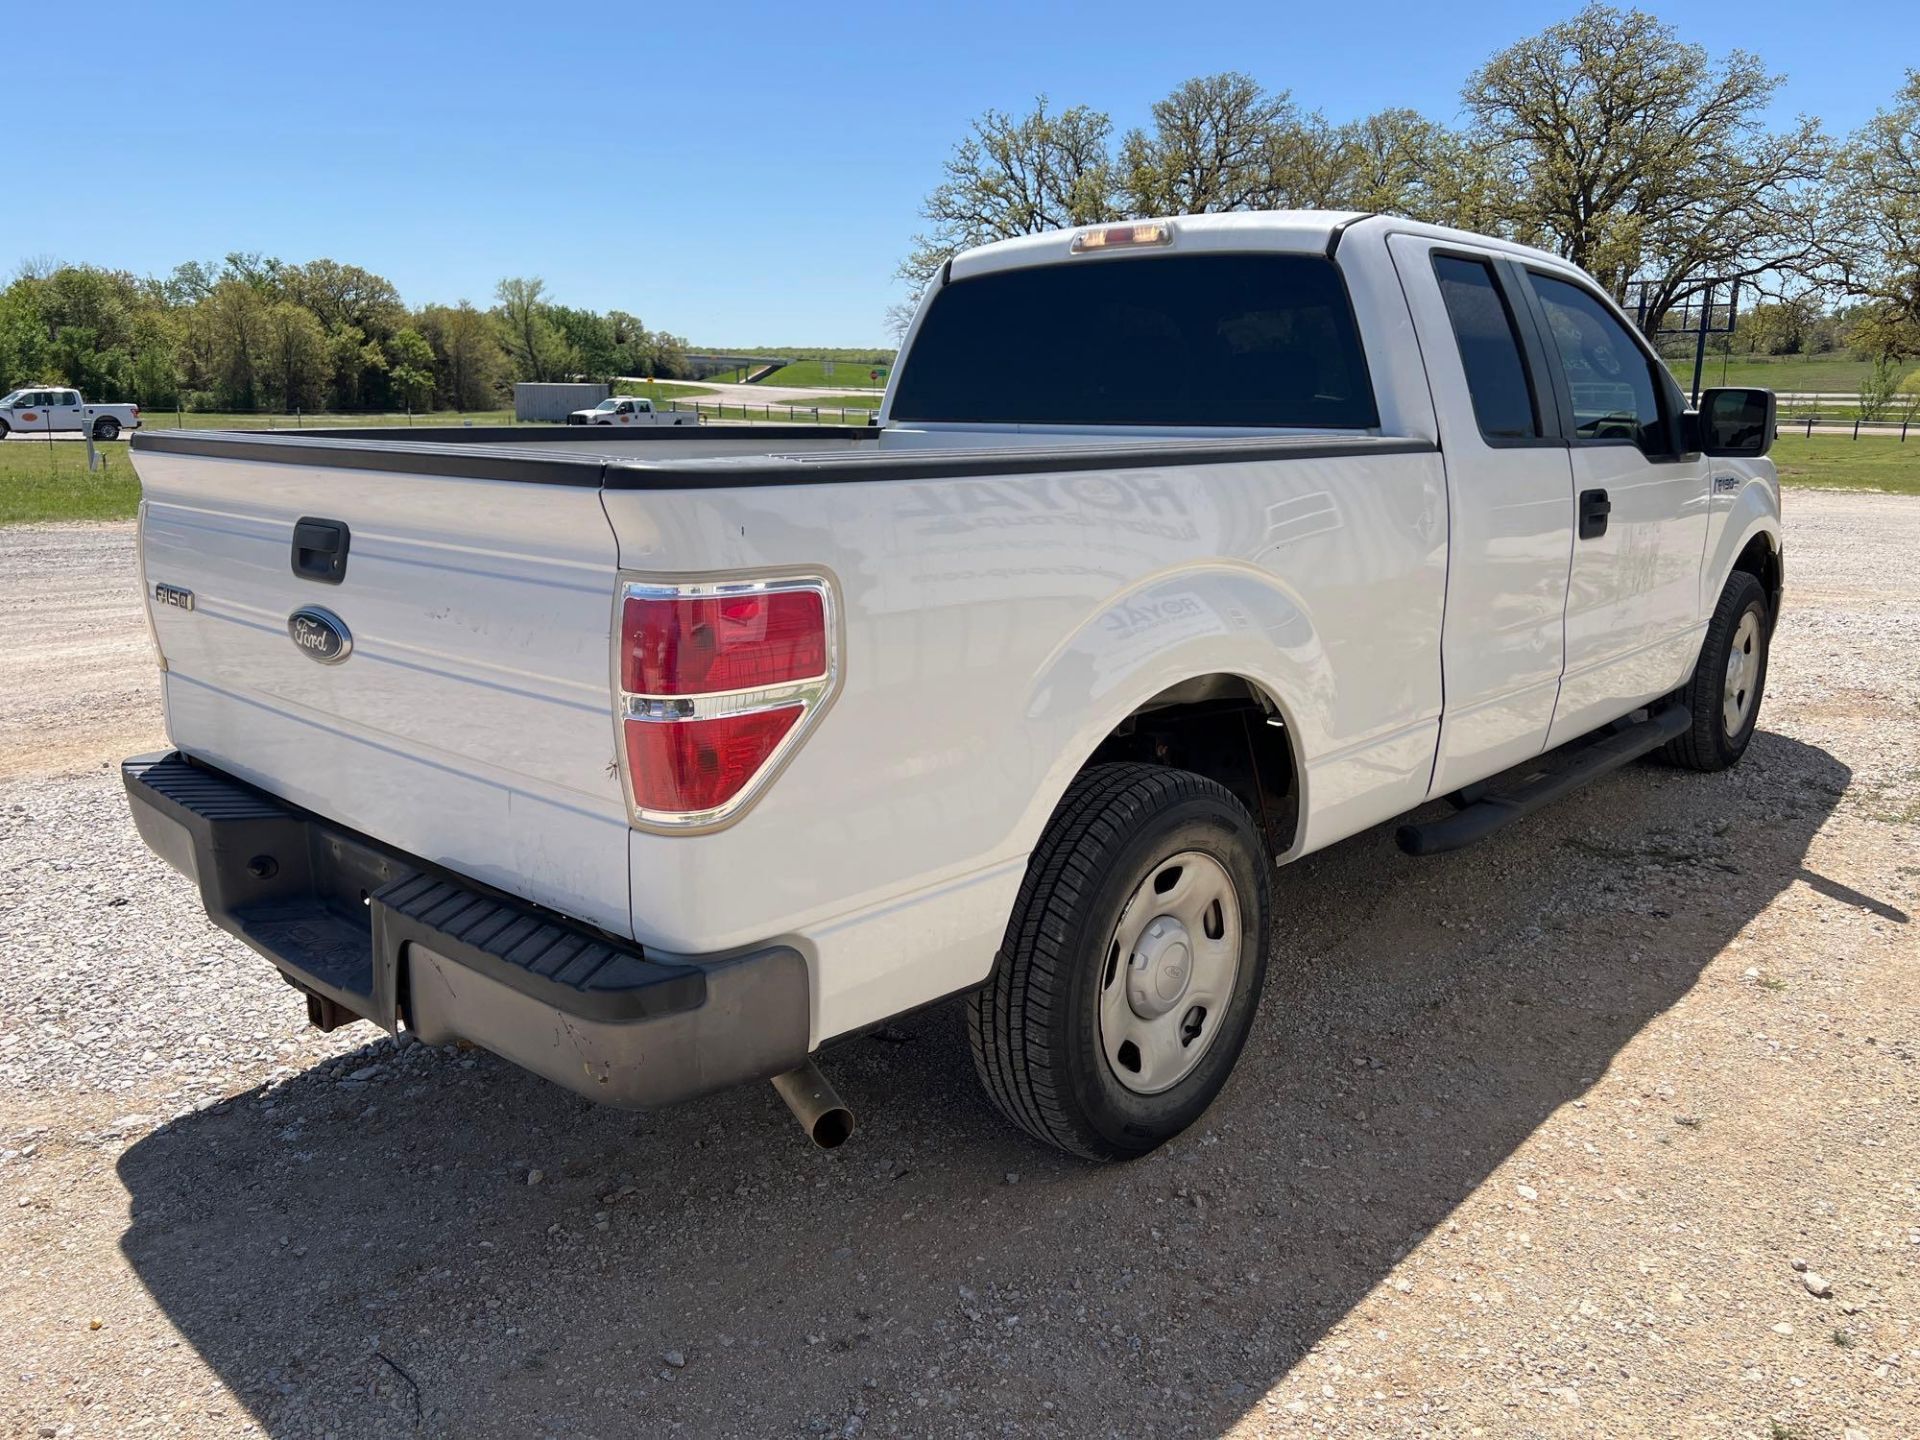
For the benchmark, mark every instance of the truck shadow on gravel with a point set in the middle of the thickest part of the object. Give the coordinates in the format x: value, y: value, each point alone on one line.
x: 370, y: 1258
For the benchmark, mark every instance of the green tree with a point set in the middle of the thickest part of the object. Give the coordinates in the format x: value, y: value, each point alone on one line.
x: 236, y: 312
x: 410, y: 358
x: 24, y: 350
x: 294, y: 358
x: 346, y: 295
x: 1779, y: 327
x: 1634, y: 154
x: 1879, y: 387
x: 1015, y: 175
x: 590, y: 337
x: 535, y: 348
x: 467, y: 357
x: 1873, y: 249
x: 1218, y: 142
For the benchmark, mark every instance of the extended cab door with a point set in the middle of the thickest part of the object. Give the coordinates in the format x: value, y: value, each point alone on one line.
x: 68, y: 413
x: 1633, y: 621
x: 1510, y: 498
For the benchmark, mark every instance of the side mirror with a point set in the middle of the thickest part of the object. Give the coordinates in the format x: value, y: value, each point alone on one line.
x: 1736, y: 423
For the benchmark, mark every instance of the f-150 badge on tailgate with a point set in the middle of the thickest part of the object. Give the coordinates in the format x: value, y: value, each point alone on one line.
x: 174, y: 595
x: 320, y: 634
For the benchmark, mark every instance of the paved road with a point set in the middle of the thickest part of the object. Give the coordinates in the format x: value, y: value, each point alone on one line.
x: 1524, y: 1144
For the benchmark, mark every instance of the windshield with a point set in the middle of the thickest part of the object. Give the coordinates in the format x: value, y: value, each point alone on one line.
x: 12, y: 399
x: 1257, y: 341
x: 606, y: 404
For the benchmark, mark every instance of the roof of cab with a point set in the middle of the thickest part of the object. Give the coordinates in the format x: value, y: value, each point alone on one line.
x: 1285, y: 231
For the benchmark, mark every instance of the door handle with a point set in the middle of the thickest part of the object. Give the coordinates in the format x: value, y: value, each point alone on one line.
x: 320, y: 550
x: 1594, y: 509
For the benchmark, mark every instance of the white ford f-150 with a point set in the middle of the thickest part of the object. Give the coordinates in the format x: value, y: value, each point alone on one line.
x: 630, y: 410
x: 40, y: 409
x: 655, y: 762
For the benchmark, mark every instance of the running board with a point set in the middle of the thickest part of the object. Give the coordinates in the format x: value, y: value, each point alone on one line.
x: 1478, y: 819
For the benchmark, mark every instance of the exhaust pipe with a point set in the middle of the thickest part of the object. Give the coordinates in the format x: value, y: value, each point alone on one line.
x: 814, y: 1104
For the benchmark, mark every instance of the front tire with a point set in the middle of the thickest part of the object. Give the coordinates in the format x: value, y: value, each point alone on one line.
x: 1727, y: 683
x: 1132, y: 964
x: 106, y: 428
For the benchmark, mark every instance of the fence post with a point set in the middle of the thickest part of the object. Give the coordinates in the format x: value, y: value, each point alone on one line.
x: 179, y: 416
x: 299, y: 419
x: 1809, y: 427
x: 1856, y: 429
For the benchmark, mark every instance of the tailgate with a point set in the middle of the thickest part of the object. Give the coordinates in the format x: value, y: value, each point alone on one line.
x: 470, y: 722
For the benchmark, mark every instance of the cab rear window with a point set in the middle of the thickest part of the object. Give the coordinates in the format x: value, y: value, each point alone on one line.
x: 1242, y: 341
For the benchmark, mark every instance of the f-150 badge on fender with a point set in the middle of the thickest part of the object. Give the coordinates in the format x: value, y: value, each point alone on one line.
x: 320, y: 634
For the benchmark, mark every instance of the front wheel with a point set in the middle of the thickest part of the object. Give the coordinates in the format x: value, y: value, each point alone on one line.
x: 106, y: 428
x: 1132, y: 965
x: 1725, y: 689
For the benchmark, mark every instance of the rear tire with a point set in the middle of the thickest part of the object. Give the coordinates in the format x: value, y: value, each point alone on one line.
x: 1139, y: 933
x: 1727, y: 683
x: 106, y: 428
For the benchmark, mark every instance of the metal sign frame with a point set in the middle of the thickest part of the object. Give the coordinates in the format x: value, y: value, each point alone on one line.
x: 1699, y: 314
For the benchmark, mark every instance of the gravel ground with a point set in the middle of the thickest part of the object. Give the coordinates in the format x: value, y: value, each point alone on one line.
x: 1530, y: 1140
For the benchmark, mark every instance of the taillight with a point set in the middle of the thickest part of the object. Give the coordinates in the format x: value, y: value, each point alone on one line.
x: 136, y: 411
x: 699, y: 646
x: 718, y: 681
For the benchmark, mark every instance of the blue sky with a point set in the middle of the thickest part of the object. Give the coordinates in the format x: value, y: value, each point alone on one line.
x: 741, y: 175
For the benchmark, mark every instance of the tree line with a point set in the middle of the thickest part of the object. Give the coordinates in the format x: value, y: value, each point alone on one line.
x: 255, y: 333
x: 1605, y: 138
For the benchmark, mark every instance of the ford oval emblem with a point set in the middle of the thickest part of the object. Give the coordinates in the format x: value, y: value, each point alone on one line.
x: 320, y: 634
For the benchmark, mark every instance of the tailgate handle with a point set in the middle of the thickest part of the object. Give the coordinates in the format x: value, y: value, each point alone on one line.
x: 320, y: 550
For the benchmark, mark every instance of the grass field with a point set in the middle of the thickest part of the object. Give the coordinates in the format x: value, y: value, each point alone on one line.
x: 861, y: 400
x: 1819, y: 374
x: 51, y: 482
x: 845, y: 375
x: 1833, y: 462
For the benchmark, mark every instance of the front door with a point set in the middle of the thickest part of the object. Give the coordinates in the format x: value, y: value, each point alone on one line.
x: 1633, y: 622
x: 1510, y: 508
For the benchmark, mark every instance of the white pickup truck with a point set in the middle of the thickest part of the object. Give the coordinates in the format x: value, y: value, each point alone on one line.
x: 42, y: 409
x: 654, y: 763
x: 630, y: 410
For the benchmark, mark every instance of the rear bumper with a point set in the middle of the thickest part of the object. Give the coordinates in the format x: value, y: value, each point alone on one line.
x: 366, y: 930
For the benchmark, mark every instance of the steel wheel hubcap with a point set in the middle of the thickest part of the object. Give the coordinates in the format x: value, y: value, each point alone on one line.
x: 1169, y: 972
x: 1743, y: 674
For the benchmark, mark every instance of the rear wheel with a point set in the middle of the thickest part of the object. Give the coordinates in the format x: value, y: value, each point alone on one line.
x: 106, y: 428
x: 1727, y: 684
x: 1132, y: 965
x: 5, y: 429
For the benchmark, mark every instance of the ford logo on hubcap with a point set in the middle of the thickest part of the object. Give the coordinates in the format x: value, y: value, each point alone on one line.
x: 320, y: 634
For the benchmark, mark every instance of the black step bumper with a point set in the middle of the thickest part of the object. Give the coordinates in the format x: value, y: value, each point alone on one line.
x: 365, y: 930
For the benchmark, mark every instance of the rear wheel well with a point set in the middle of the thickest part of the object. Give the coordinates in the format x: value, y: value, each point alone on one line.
x: 1762, y: 561
x: 1228, y: 729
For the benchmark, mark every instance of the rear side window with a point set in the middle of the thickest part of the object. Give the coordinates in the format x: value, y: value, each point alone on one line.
x: 1483, y: 327
x: 1249, y: 341
x: 1608, y: 375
